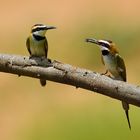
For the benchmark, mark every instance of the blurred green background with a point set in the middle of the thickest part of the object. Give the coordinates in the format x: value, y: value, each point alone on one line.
x: 62, y: 112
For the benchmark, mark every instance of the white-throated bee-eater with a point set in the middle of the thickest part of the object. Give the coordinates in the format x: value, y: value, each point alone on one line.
x: 37, y: 44
x: 113, y: 63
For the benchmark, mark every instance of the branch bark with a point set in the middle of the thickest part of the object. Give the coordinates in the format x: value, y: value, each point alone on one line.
x: 70, y: 75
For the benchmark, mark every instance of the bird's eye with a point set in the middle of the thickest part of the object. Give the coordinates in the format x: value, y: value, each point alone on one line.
x: 38, y: 29
x: 35, y: 29
x: 104, y: 45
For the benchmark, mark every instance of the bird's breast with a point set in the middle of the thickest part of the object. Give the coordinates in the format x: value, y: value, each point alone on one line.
x: 111, y: 65
x: 37, y: 48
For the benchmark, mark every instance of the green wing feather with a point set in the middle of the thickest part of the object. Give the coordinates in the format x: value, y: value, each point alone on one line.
x: 121, y: 67
x: 122, y: 71
x: 28, y: 45
x: 46, y: 47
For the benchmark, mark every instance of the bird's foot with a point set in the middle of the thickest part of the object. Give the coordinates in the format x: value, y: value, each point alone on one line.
x: 104, y: 72
x: 108, y: 75
x: 31, y: 57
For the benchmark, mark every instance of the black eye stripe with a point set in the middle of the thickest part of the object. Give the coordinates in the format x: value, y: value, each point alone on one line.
x: 38, y: 29
x: 104, y: 44
x: 38, y: 38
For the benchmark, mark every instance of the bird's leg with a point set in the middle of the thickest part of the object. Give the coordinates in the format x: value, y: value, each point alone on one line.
x: 50, y: 64
x: 105, y: 72
x: 49, y: 60
x: 46, y: 60
x: 31, y: 57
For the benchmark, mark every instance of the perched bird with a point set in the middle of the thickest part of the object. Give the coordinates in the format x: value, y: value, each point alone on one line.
x: 113, y: 63
x: 37, y: 44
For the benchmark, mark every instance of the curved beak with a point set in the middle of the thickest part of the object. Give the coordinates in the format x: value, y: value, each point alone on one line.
x: 92, y: 40
x: 50, y: 27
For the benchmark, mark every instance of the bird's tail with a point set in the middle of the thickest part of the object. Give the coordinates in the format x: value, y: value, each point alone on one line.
x: 42, y: 82
x: 126, y: 108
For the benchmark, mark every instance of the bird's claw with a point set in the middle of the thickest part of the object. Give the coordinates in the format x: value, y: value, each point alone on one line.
x: 105, y: 73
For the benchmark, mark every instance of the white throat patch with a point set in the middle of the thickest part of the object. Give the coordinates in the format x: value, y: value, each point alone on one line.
x: 40, y: 33
x: 103, y: 48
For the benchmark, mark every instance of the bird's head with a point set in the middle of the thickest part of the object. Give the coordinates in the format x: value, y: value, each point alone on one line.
x: 106, y: 46
x: 40, y: 29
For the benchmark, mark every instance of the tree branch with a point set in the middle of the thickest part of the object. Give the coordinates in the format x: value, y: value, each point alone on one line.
x: 67, y: 74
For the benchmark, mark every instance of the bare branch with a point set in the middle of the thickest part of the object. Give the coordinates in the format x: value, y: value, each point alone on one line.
x: 67, y: 74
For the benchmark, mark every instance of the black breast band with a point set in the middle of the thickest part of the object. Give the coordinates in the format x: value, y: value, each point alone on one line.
x: 105, y: 52
x: 38, y: 38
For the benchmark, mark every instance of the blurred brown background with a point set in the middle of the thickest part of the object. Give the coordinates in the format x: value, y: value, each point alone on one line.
x: 61, y: 112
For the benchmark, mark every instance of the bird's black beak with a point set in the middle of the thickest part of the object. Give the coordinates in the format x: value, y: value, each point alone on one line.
x: 92, y: 40
x: 50, y: 27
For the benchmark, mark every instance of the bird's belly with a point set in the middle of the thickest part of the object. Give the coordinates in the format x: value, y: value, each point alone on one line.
x: 37, y: 49
x: 111, y: 65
